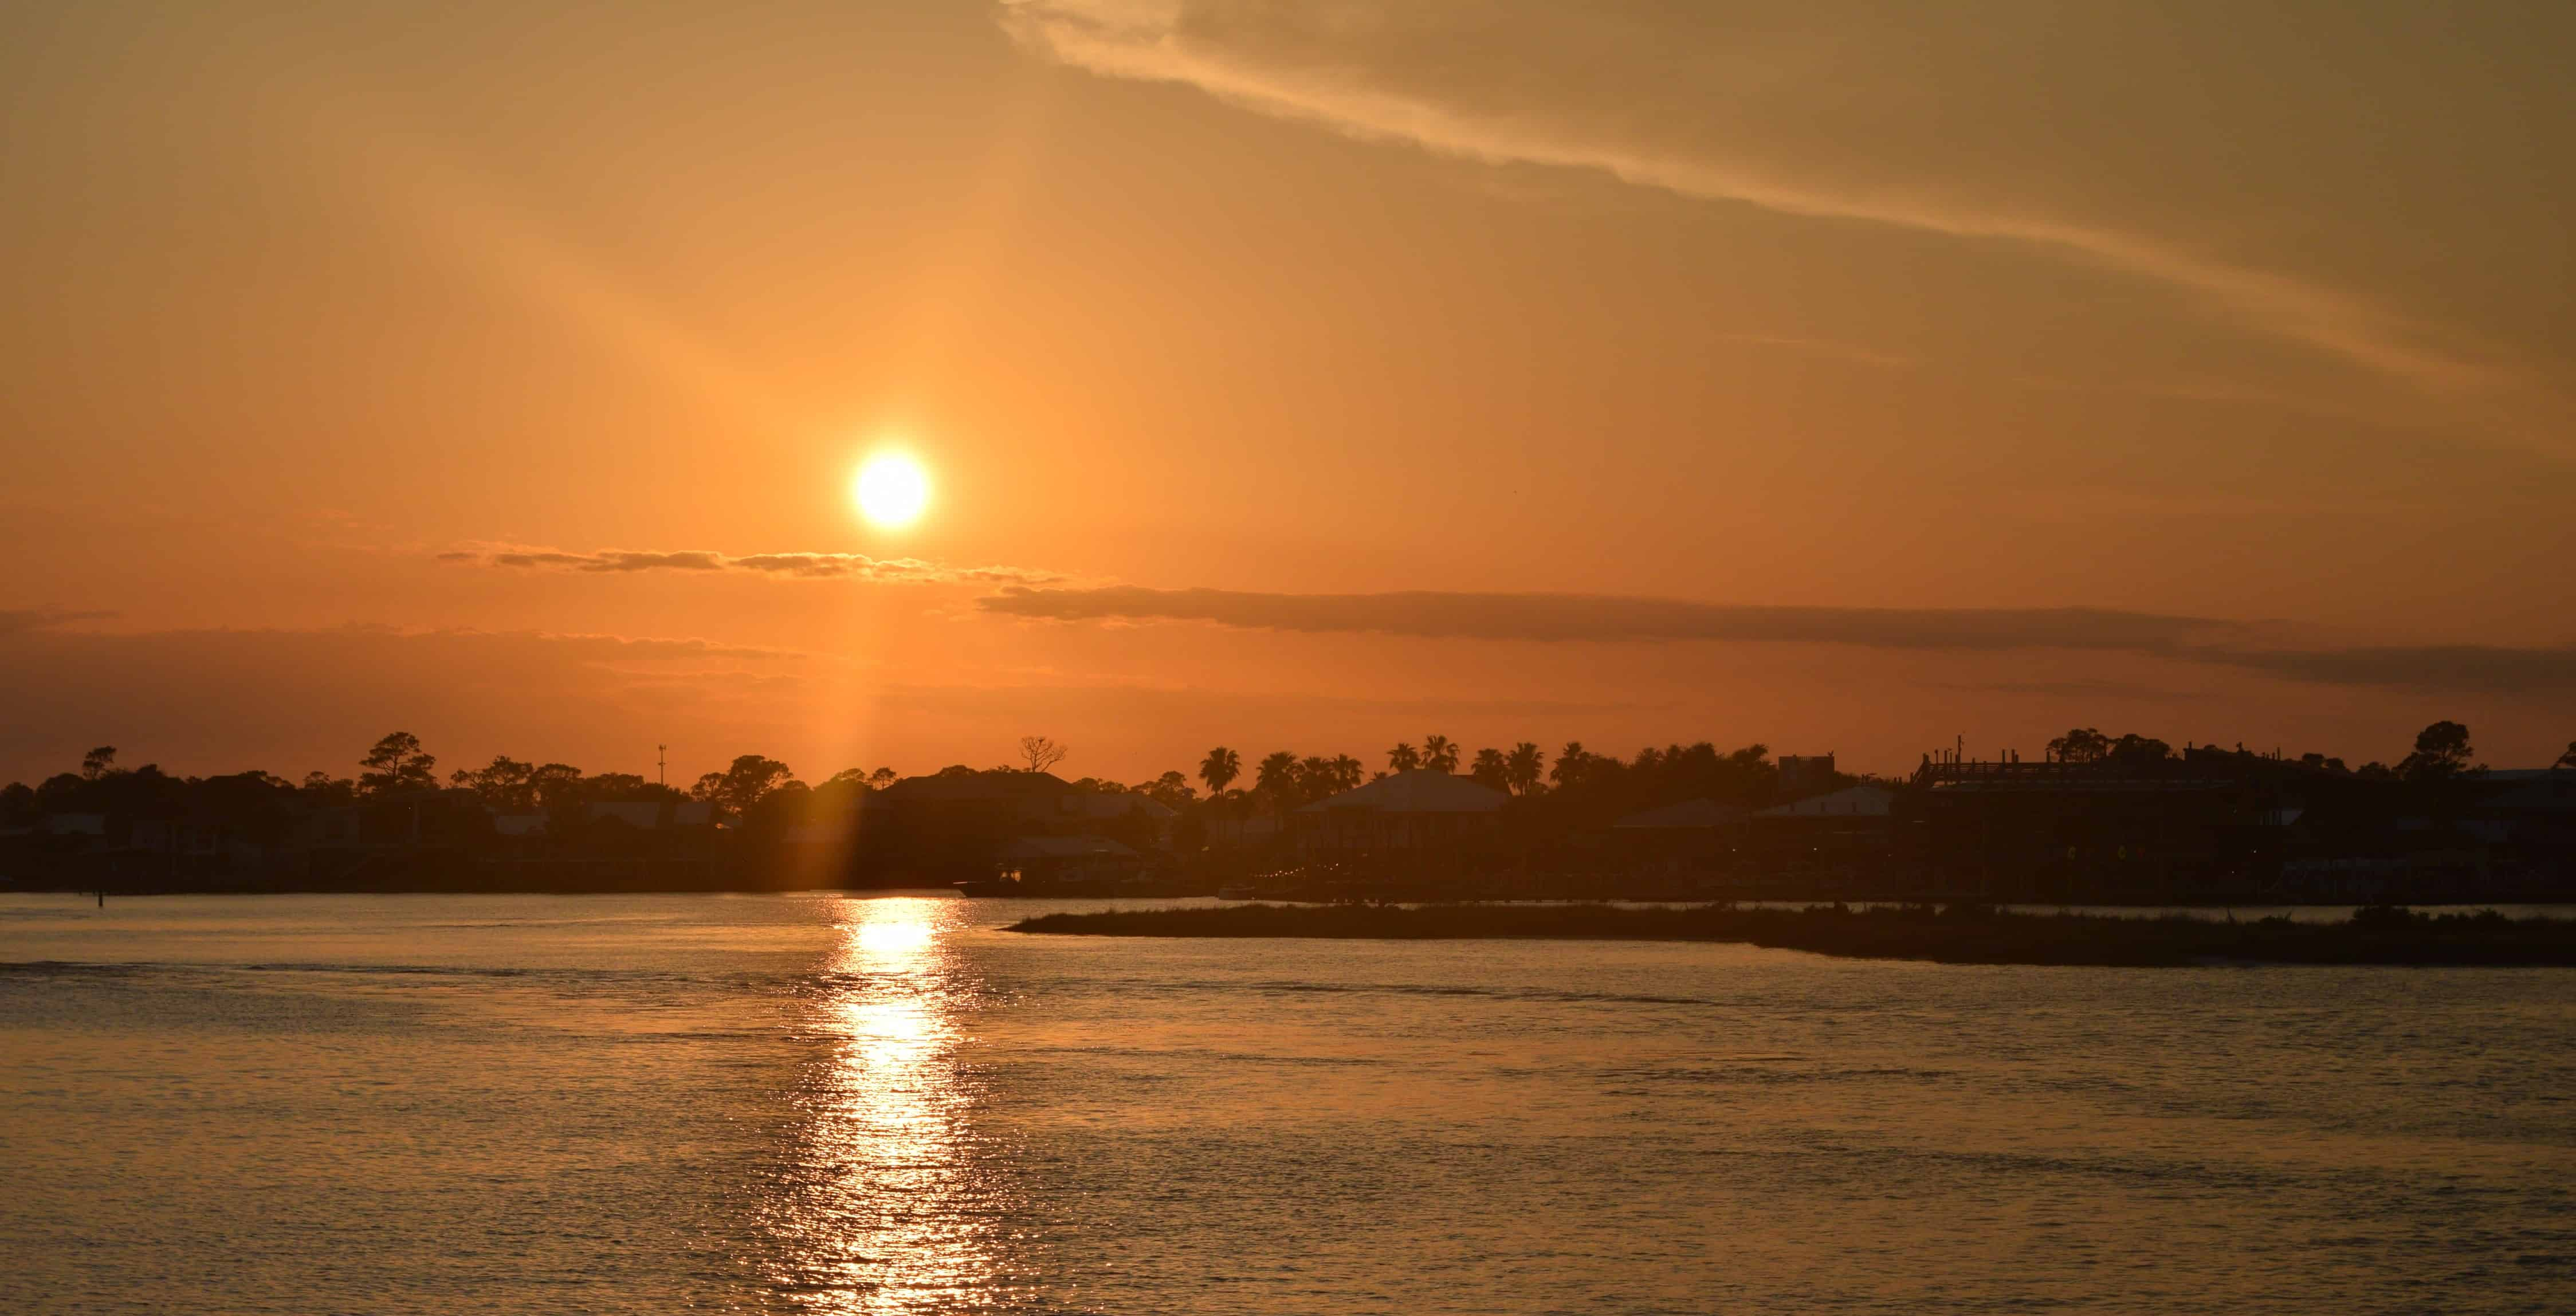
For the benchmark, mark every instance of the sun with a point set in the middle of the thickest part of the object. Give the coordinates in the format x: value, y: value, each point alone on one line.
x: 892, y: 490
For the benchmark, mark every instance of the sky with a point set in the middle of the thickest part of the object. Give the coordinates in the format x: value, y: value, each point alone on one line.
x: 1306, y: 376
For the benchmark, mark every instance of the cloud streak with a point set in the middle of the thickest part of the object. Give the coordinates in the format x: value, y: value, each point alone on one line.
x: 803, y: 566
x: 1562, y: 618
x: 1433, y: 614
x: 1342, y: 68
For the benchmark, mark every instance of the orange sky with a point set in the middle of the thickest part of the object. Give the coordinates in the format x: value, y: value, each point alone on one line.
x: 1842, y: 343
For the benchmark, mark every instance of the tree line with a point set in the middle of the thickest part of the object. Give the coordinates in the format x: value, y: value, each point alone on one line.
x: 1576, y: 785
x: 2442, y: 753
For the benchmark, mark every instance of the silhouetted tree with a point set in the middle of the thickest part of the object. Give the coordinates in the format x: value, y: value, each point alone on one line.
x: 98, y: 763
x: 1488, y: 769
x: 882, y: 778
x: 396, y: 763
x: 606, y: 787
x: 1440, y: 753
x: 1403, y: 758
x: 2441, y: 752
x: 1277, y: 774
x: 742, y: 785
x: 1171, y: 789
x: 2136, y: 751
x: 2081, y: 745
x: 503, y: 783
x: 1571, y: 762
x: 1347, y: 772
x: 1521, y: 767
x: 551, y: 784
x: 1041, y: 753
x: 2568, y: 759
x: 1219, y: 769
x: 324, y: 789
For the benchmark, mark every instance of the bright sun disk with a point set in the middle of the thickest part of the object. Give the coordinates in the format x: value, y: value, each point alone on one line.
x: 892, y: 489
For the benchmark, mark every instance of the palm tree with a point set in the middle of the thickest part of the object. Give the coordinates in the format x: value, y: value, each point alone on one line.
x: 1521, y: 767
x: 1570, y: 762
x: 1403, y: 758
x: 1489, y: 770
x: 1346, y: 773
x: 1219, y: 769
x: 1277, y: 774
x: 1440, y: 753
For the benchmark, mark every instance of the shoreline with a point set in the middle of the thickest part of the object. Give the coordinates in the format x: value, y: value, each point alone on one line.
x: 1954, y: 934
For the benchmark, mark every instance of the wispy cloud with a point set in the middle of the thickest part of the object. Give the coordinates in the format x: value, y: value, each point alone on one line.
x: 1363, y: 72
x: 807, y: 566
x: 1560, y: 618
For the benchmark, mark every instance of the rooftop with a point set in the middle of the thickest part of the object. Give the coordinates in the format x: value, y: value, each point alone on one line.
x: 1421, y: 790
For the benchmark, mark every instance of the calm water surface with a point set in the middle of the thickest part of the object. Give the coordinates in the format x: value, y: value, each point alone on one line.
x: 812, y: 1104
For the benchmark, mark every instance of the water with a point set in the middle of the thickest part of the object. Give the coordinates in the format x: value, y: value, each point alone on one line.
x: 810, y: 1104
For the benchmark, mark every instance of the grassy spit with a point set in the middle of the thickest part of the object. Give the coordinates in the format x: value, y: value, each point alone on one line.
x: 1951, y: 934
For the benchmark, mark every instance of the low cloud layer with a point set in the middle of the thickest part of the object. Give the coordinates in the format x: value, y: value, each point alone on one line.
x: 14, y: 620
x: 1588, y: 617
x: 807, y: 566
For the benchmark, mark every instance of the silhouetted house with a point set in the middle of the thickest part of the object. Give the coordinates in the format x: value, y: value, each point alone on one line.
x: 76, y: 824
x: 1694, y: 836
x: 402, y: 840
x: 2497, y: 835
x: 1137, y: 819
x: 1843, y: 830
x: 519, y: 824
x: 642, y: 815
x: 1806, y: 774
x: 1243, y: 831
x: 953, y: 826
x: 2534, y: 812
x: 2210, y: 825
x: 1065, y: 863
x: 1846, y: 805
x: 1416, y: 813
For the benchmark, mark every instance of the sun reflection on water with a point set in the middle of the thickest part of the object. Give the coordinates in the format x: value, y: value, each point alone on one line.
x: 884, y: 1209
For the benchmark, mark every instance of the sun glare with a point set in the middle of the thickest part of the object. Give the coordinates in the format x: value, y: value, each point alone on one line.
x: 891, y: 489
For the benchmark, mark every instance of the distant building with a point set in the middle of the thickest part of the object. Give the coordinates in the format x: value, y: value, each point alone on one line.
x: 2107, y: 831
x: 956, y: 826
x: 1145, y: 818
x: 1417, y: 811
x: 996, y: 797
x: 1694, y: 836
x: 76, y: 824
x: 1846, y: 831
x: 642, y: 815
x: 1699, y: 815
x: 1851, y: 802
x: 1066, y: 861
x: 1806, y: 774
